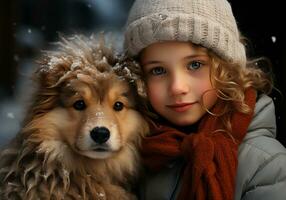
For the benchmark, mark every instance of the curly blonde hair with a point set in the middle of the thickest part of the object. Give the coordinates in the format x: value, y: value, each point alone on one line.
x: 231, y: 80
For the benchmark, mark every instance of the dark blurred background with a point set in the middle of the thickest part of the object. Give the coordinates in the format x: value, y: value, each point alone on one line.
x: 28, y: 26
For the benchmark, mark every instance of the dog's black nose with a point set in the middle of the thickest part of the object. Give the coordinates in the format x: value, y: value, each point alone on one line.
x: 100, y: 134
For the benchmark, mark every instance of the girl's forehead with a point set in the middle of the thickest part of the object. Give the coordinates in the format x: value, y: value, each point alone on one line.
x: 171, y: 50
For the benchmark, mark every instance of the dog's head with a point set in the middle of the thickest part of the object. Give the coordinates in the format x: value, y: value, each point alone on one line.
x: 86, y: 102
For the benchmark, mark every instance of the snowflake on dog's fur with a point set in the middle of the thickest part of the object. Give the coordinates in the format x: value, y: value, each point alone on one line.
x: 54, y: 61
x: 87, y: 55
x: 100, y: 195
x: 76, y: 64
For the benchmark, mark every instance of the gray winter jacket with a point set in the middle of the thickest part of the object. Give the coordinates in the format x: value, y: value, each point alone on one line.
x: 261, y: 171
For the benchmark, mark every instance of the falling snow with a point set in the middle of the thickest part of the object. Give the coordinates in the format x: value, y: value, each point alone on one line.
x: 273, y: 38
x: 16, y: 58
x: 10, y: 115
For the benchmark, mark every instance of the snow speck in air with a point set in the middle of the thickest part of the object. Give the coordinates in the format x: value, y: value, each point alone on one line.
x: 10, y: 115
x: 16, y: 58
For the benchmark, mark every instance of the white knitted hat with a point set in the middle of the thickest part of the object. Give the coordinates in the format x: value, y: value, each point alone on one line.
x: 209, y: 23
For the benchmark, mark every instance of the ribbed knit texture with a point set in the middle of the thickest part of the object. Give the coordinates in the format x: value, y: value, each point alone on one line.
x: 209, y: 23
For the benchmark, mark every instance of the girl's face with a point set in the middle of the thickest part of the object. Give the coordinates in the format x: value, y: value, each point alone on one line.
x: 178, y: 79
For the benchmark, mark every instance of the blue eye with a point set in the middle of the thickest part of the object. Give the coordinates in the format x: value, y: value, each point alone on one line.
x: 157, y: 71
x: 194, y: 65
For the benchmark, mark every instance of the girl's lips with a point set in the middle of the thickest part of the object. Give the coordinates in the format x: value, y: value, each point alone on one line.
x: 182, y: 107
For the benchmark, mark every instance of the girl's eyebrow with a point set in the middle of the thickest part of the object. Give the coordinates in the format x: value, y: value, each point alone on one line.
x: 195, y: 56
x: 184, y: 58
x: 152, y: 62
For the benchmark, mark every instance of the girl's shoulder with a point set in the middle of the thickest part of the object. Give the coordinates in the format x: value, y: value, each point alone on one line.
x: 264, y: 120
x: 259, y: 145
x: 261, y: 172
x: 261, y: 132
x: 261, y: 159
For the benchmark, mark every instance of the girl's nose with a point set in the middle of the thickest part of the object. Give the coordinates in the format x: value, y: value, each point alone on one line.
x: 178, y: 85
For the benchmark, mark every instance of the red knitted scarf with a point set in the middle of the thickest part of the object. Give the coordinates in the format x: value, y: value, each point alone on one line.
x: 210, y: 154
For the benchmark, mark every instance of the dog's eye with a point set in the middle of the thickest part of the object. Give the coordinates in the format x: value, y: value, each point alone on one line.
x: 118, y: 106
x: 79, y: 105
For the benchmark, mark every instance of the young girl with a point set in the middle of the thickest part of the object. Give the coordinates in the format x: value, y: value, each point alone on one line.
x: 213, y: 133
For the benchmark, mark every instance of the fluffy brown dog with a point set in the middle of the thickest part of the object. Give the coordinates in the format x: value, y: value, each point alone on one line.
x: 80, y: 137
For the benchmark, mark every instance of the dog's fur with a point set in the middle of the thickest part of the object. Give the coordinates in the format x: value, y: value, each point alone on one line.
x: 80, y: 86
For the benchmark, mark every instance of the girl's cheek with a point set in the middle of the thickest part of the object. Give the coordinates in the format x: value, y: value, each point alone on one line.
x: 204, y: 88
x: 203, y: 83
x: 208, y: 94
x: 155, y: 93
